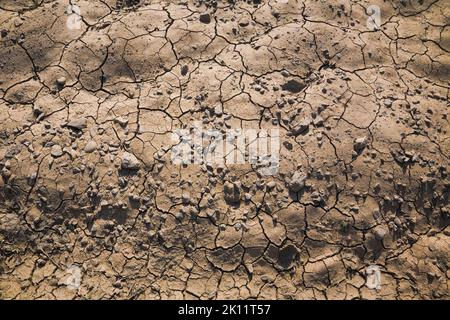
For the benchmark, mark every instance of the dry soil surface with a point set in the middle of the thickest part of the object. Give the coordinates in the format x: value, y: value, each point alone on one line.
x: 92, y: 205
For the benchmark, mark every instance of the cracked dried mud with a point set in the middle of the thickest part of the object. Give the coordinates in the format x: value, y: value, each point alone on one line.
x: 88, y: 105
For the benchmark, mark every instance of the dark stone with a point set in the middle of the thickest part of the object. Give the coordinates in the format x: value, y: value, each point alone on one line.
x: 184, y: 70
x: 287, y: 256
x: 205, y: 18
x: 293, y: 86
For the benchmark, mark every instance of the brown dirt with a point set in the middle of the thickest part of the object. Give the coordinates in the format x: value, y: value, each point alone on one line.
x: 364, y: 167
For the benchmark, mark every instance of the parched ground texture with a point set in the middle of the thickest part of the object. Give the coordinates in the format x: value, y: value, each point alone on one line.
x: 85, y: 150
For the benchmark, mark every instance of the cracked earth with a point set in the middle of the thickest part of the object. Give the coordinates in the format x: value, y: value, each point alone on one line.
x: 85, y: 152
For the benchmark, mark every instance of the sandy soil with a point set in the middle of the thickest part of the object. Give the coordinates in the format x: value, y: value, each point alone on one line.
x: 93, y: 207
